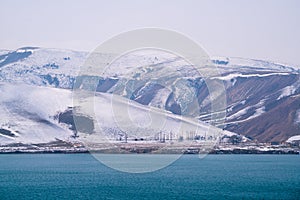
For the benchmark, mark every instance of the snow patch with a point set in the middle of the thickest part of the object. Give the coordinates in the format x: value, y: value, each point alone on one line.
x: 238, y: 114
x: 287, y: 91
x: 294, y: 138
x: 160, y: 98
x: 297, y: 117
x: 258, y: 112
x: 239, y: 75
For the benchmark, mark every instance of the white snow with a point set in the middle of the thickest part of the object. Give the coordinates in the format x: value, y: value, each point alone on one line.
x: 160, y: 98
x: 238, y: 114
x: 54, y: 62
x: 3, y: 59
x: 258, y: 112
x: 23, y: 50
x: 4, y: 51
x: 260, y: 109
x: 297, y: 117
x: 287, y: 91
x: 258, y: 65
x: 137, y: 65
x: 137, y: 120
x: 293, y: 138
x: 22, y: 107
x: 236, y: 75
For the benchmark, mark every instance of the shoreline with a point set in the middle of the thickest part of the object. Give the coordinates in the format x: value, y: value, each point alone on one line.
x: 213, y: 152
x: 62, y: 147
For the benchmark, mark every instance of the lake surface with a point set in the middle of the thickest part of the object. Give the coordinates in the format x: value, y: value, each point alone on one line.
x: 81, y: 176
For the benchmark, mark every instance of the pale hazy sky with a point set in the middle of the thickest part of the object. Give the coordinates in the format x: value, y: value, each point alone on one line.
x: 262, y: 29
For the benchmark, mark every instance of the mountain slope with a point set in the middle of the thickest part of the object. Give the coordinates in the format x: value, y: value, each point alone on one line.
x: 34, y: 114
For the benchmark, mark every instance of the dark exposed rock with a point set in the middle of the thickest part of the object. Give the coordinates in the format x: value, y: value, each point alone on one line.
x: 81, y: 123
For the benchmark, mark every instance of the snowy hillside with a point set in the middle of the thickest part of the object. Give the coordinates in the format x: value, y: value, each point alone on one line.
x: 41, y: 66
x: 31, y: 114
x: 27, y: 113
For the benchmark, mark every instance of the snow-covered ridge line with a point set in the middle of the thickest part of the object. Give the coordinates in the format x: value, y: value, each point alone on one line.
x: 153, y: 56
x: 253, y: 63
x: 240, y: 75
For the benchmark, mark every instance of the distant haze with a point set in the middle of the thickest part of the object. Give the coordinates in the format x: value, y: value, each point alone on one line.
x: 261, y: 29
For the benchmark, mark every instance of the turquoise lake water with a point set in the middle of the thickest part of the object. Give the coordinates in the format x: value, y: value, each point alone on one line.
x: 80, y: 176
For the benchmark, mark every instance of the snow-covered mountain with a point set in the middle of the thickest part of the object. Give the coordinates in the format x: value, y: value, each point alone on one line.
x: 263, y: 100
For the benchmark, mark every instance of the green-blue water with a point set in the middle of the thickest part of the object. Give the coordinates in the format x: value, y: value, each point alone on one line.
x: 80, y: 176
